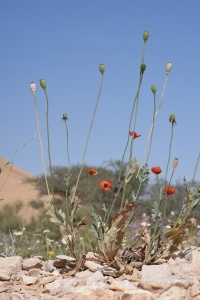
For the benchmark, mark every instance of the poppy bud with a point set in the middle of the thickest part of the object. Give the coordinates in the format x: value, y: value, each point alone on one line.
x: 43, y: 84
x: 102, y: 68
x: 153, y: 89
x: 32, y: 87
x: 145, y: 36
x: 142, y: 68
x: 172, y: 118
x: 64, y: 117
x: 169, y: 191
x: 156, y: 170
x: 175, y: 163
x: 168, y: 67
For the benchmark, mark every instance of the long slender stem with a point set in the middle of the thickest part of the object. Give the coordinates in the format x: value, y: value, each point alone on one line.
x: 67, y: 135
x: 49, y: 150
x: 87, y: 141
x: 41, y: 147
x: 131, y: 149
x: 170, y: 146
x: 195, y: 170
x: 154, y: 112
x: 147, y: 142
x: 130, y: 122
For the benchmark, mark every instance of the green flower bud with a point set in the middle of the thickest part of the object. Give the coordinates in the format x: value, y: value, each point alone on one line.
x: 153, y: 89
x: 145, y: 36
x: 172, y: 118
x: 43, y: 84
x: 64, y: 117
x: 102, y: 68
x: 142, y: 68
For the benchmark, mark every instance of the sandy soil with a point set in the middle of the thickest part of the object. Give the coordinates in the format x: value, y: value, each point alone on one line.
x: 14, y: 187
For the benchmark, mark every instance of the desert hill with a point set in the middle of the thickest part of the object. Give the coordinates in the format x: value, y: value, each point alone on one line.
x: 14, y: 187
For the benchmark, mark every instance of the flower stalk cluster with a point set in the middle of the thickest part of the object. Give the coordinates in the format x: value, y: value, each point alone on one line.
x: 154, y: 244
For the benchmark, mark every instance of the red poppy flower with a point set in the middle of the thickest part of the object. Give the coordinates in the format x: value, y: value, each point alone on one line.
x: 92, y: 171
x: 134, y: 134
x: 106, y: 185
x: 156, y: 170
x: 169, y: 191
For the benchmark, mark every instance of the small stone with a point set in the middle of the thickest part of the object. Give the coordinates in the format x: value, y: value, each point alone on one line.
x: 32, y: 263
x: 28, y: 280
x: 195, y: 257
x: 138, y: 295
x: 61, y: 260
x: 34, y: 272
x: 4, y: 275
x: 86, y: 273
x: 16, y: 296
x: 48, y: 266
x: 3, y: 289
x: 13, y: 263
x: 46, y: 280
x: 174, y: 293
x: 156, y: 272
x: 61, y: 257
x: 56, y: 273
x: 92, y: 265
x: 190, y: 269
x: 195, y: 290
x: 124, y: 286
x: 92, y: 255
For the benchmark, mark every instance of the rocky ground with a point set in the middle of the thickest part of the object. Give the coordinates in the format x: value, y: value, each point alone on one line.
x: 33, y: 278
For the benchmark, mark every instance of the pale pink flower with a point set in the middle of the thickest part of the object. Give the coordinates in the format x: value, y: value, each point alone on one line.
x: 32, y: 87
x: 168, y: 67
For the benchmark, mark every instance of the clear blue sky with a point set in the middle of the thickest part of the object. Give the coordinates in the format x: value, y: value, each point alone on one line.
x: 64, y: 42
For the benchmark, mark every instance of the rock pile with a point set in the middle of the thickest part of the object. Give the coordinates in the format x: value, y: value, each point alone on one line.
x: 34, y: 279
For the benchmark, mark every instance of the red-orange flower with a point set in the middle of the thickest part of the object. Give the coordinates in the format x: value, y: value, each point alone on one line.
x: 170, y: 190
x: 106, y: 185
x: 156, y: 170
x: 92, y: 171
x: 134, y: 134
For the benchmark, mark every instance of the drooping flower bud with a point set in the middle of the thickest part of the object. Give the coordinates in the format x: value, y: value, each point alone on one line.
x: 169, y: 191
x: 153, y: 89
x: 168, y: 67
x: 172, y: 118
x: 43, y: 84
x: 142, y: 68
x: 145, y: 36
x: 32, y: 87
x: 64, y: 117
x: 175, y: 163
x: 102, y: 68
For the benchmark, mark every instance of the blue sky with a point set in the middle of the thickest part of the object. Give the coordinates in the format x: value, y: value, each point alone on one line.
x: 64, y: 42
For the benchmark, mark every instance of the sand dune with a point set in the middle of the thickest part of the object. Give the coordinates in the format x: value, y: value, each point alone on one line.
x: 14, y: 187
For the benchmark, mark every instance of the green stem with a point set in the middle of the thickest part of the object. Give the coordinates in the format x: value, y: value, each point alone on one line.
x: 49, y: 151
x: 67, y: 145
x: 154, y: 116
x: 87, y: 141
x: 134, y: 128
x: 41, y: 147
x: 195, y: 170
x: 147, y: 142
x: 170, y: 146
x: 143, y: 51
x: 130, y: 122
